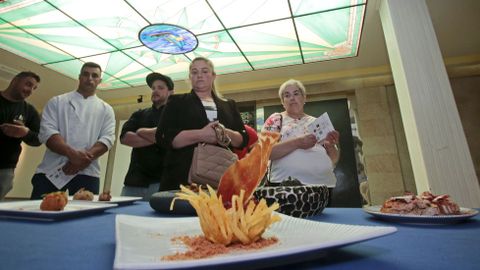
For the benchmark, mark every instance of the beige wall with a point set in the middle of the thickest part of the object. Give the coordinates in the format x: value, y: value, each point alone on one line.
x: 26, y: 166
x: 401, y: 141
x: 467, y: 96
x: 121, y: 163
x: 381, y: 156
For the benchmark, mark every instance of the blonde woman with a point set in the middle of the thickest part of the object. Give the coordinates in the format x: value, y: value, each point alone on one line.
x: 188, y: 119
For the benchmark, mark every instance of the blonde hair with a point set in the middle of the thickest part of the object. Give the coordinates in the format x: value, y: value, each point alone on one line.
x: 297, y: 83
x: 212, y: 67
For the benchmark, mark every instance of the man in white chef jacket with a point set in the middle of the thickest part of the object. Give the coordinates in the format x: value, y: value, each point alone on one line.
x: 77, y: 128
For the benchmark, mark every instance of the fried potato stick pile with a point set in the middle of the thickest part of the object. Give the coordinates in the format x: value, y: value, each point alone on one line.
x: 231, y: 216
x: 236, y: 224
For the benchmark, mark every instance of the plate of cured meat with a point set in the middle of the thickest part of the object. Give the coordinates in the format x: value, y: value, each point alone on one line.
x: 425, y: 208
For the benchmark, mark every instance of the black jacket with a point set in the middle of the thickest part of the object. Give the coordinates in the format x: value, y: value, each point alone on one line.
x: 145, y: 162
x: 11, y: 147
x: 185, y: 112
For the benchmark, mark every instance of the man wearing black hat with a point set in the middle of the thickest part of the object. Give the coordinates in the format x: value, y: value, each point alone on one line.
x: 143, y: 176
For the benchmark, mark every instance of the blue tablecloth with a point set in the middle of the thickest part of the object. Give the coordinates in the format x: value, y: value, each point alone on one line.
x: 89, y: 243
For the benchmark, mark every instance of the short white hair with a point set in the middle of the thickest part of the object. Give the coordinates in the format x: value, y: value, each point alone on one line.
x: 297, y: 83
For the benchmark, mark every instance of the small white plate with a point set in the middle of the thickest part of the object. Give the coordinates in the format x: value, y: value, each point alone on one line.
x: 466, y: 213
x: 141, y: 242
x: 119, y: 200
x: 31, y: 210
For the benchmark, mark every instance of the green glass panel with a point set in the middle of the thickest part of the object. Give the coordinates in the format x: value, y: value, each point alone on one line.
x: 176, y: 66
x: 357, y: 27
x: 50, y: 25
x: 72, y: 70
x: 221, y: 49
x: 113, y: 84
x: 69, y: 68
x: 300, y: 7
x: 120, y: 66
x: 23, y: 44
x: 269, y: 45
x: 239, y: 13
x: 195, y: 16
x: 236, y: 35
x: 19, y: 10
x: 335, y: 39
x: 12, y: 3
x: 120, y: 29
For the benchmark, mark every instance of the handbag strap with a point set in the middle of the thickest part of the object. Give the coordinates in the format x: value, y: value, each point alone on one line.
x: 222, y: 136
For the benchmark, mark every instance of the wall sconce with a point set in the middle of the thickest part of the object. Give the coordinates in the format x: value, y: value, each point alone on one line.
x: 140, y: 99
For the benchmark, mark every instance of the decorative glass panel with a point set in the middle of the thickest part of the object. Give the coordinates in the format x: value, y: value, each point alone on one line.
x: 270, y: 44
x: 237, y: 35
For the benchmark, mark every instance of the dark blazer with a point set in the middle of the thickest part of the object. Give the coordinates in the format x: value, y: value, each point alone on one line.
x: 146, y: 162
x: 185, y: 112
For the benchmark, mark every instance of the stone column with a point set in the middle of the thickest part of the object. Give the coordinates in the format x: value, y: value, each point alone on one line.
x: 382, y: 162
x: 440, y: 157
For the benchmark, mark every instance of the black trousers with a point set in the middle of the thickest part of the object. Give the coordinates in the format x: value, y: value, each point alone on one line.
x: 41, y: 185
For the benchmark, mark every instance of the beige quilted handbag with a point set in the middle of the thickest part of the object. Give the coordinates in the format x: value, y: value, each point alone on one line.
x: 210, y: 162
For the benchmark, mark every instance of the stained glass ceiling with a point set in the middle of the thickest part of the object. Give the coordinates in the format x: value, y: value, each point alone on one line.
x: 237, y: 36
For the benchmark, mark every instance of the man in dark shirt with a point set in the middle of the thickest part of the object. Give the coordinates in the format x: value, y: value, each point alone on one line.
x: 19, y: 122
x: 143, y: 176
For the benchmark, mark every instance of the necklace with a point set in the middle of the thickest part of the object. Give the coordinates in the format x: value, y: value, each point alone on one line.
x: 296, y: 117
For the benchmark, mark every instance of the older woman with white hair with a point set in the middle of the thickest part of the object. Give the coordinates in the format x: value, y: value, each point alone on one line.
x: 298, y: 154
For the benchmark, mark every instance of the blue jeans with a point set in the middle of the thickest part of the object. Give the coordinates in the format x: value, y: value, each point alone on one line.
x: 41, y: 185
x: 144, y: 192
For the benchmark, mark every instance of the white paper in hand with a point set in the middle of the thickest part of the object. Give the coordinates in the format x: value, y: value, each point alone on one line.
x: 321, y: 127
x: 58, y: 178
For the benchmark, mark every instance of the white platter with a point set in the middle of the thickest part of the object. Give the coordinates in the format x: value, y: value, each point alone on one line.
x: 31, y: 210
x: 141, y: 242
x: 119, y: 200
x: 466, y: 213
